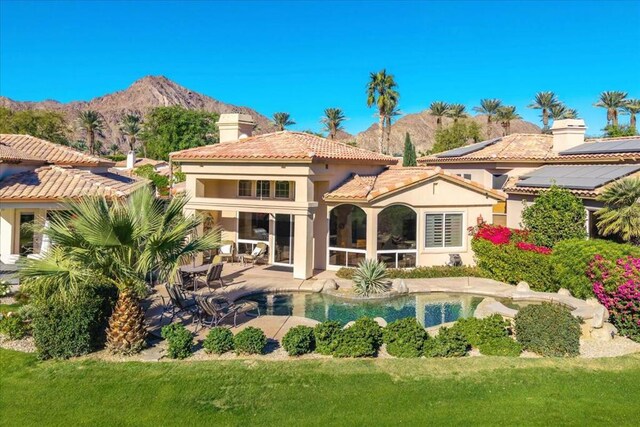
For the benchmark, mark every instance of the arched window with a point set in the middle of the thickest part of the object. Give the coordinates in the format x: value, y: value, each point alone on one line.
x: 397, y: 236
x: 347, y: 235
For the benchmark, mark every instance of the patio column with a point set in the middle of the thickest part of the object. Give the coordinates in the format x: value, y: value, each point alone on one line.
x: 7, y: 231
x: 372, y: 233
x: 303, y: 246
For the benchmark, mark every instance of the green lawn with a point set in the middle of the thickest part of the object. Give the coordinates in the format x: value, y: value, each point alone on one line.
x: 468, y: 391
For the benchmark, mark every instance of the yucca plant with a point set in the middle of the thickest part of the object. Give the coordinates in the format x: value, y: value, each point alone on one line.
x: 370, y: 277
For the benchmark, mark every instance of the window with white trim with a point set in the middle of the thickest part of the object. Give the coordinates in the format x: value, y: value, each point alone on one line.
x: 283, y: 190
x: 263, y: 189
x: 244, y: 188
x: 443, y: 230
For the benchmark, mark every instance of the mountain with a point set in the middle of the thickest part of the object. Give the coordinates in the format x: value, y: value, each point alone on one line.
x: 422, y: 128
x: 140, y: 97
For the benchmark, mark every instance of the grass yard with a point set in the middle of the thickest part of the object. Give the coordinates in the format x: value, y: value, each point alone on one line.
x: 467, y: 391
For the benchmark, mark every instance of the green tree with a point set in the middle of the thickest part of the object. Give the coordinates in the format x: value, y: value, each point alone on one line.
x: 160, y: 182
x: 456, y: 112
x: 120, y: 243
x: 92, y: 123
x: 48, y: 125
x: 168, y: 129
x: 282, y: 120
x: 555, y: 215
x: 332, y: 121
x: 131, y: 126
x: 561, y: 112
x: 611, y: 131
x: 114, y: 148
x: 621, y: 212
x: 505, y: 116
x: 382, y: 92
x: 544, y: 101
x: 438, y: 109
x: 409, y: 155
x: 457, y: 135
x: 613, y: 101
x: 488, y: 107
x: 632, y: 107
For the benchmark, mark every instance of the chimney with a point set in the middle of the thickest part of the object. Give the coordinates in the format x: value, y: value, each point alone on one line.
x: 131, y: 160
x: 567, y: 134
x: 233, y: 127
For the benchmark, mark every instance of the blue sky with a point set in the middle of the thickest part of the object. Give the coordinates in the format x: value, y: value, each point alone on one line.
x: 302, y: 57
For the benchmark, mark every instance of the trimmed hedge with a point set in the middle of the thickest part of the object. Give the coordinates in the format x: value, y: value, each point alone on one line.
x: 362, y: 339
x: 326, y: 336
x: 420, y: 272
x: 548, y: 329
x: 504, y: 346
x: 250, y: 341
x: 405, y: 337
x: 448, y: 343
x: 219, y: 340
x: 478, y: 331
x: 13, y: 326
x: 180, y: 340
x: 299, y: 340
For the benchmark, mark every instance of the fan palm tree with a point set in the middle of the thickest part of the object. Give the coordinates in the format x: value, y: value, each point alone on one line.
x: 544, y: 101
x: 117, y: 242
x: 632, y: 107
x: 613, y: 101
x: 92, y: 123
x: 332, y: 121
x: 438, y: 109
x: 505, y: 115
x: 488, y: 107
x: 621, y: 212
x: 561, y: 112
x: 382, y: 92
x: 456, y: 111
x: 130, y: 126
x: 282, y: 120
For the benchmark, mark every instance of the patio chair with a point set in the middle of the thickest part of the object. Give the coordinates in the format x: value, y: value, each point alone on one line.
x: 213, y: 310
x: 228, y: 250
x: 177, y: 304
x: 213, y: 276
x: 257, y: 255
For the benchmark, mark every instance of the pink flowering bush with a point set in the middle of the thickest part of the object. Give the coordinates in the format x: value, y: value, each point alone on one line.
x: 496, y: 234
x: 616, y: 284
x: 525, y: 246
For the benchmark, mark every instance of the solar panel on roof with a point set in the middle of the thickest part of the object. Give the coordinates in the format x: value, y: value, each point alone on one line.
x: 618, y: 146
x: 468, y: 149
x: 577, y: 177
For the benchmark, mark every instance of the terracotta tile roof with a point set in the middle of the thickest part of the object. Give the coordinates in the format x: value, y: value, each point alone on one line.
x: 368, y: 188
x: 56, y: 183
x: 8, y: 154
x: 284, y: 146
x: 50, y: 152
x: 526, y: 147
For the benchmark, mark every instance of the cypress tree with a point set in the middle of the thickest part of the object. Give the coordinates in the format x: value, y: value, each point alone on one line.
x: 409, y: 156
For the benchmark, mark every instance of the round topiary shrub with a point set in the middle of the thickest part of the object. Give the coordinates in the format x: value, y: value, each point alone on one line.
x: 326, y: 336
x: 548, y: 329
x: 448, y: 343
x: 250, y: 341
x: 299, y: 340
x: 504, y: 346
x: 477, y: 331
x: 405, y: 337
x: 362, y: 339
x: 219, y: 340
x: 180, y: 340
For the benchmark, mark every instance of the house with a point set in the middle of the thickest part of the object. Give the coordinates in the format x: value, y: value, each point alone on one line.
x: 319, y: 204
x: 522, y: 165
x: 127, y: 166
x: 35, y: 177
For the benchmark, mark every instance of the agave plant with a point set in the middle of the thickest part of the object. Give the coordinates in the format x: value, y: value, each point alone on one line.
x: 370, y: 277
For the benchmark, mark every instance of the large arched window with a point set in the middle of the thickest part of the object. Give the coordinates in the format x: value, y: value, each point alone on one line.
x: 397, y: 236
x: 347, y: 235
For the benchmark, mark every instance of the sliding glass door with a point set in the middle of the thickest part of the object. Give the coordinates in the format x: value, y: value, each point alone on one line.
x: 283, y: 241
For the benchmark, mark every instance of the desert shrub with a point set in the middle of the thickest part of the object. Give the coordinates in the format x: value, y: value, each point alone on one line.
x: 13, y: 326
x: 504, y: 346
x: 326, y: 336
x: 219, y: 340
x: 180, y: 340
x: 250, y: 341
x: 478, y: 331
x: 299, y: 340
x: 370, y: 277
x: 548, y: 329
x: 405, y: 337
x: 448, y: 343
x: 362, y: 339
x: 616, y: 284
x: 345, y: 273
x: 420, y: 272
x: 572, y: 258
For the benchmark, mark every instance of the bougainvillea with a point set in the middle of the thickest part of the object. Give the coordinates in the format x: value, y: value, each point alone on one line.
x: 500, y: 235
x: 617, y: 286
x: 525, y: 246
x: 496, y: 234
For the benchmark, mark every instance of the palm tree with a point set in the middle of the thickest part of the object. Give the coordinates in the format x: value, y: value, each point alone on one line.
x: 282, y: 120
x: 130, y: 126
x: 456, y: 111
x: 114, y: 149
x: 505, y: 115
x: 381, y: 91
x: 561, y: 112
x: 117, y: 242
x: 389, y: 116
x: 332, y: 121
x: 544, y: 101
x: 632, y: 107
x: 438, y: 109
x: 92, y: 123
x: 621, y: 212
x: 613, y: 101
x: 489, y: 107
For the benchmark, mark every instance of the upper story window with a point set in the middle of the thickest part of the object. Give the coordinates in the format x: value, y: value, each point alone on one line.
x: 464, y: 175
x: 244, y: 188
x: 443, y: 230
x: 283, y: 189
x: 263, y: 189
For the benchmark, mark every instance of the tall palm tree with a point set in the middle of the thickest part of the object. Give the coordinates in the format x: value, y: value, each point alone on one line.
x: 282, y: 120
x: 130, y: 126
x: 561, y: 112
x: 505, y: 115
x: 117, y: 242
x: 438, y: 109
x: 92, y: 123
x: 332, y: 121
x: 621, y: 212
x: 489, y: 107
x: 114, y: 149
x: 544, y: 101
x: 382, y: 92
x: 632, y: 107
x: 456, y: 111
x: 613, y: 101
x: 389, y: 116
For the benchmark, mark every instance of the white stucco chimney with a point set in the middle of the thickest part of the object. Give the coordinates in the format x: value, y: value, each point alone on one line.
x: 567, y: 134
x: 233, y: 127
x: 131, y: 159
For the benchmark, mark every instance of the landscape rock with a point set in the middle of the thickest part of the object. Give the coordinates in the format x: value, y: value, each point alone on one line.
x: 400, y: 286
x: 330, y: 285
x: 380, y: 321
x: 606, y: 333
x: 523, y: 287
x: 317, y: 286
x: 564, y: 292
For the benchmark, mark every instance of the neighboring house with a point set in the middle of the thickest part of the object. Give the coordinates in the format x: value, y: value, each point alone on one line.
x: 522, y: 165
x: 35, y: 176
x: 320, y: 204
x: 132, y: 162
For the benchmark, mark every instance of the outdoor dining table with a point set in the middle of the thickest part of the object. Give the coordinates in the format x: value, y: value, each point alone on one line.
x: 194, y: 271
